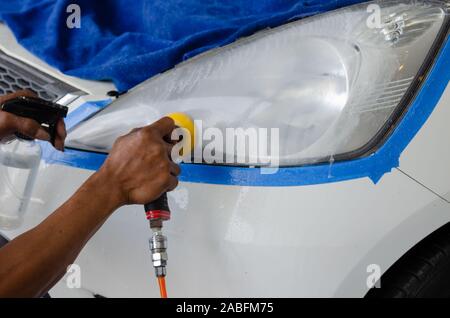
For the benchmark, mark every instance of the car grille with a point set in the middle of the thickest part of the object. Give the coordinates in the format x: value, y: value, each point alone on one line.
x: 16, y: 75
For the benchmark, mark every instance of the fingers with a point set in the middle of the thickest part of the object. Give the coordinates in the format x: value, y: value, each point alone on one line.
x: 175, y: 169
x: 60, y: 135
x: 173, y: 177
x: 164, y: 126
x: 134, y: 130
x: 30, y: 128
x: 173, y: 183
x: 168, y: 149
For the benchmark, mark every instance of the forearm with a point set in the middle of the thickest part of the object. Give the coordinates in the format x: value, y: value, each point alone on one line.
x: 137, y: 170
x: 32, y: 262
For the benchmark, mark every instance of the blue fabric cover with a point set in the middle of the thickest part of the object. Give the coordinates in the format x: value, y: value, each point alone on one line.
x: 128, y: 41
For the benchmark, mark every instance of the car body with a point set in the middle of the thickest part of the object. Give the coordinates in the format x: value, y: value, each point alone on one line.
x: 238, y: 240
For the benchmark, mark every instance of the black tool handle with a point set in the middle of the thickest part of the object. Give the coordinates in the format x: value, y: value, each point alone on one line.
x: 159, y: 204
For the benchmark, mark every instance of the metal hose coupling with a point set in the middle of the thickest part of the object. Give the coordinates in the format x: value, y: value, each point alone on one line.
x: 158, y: 249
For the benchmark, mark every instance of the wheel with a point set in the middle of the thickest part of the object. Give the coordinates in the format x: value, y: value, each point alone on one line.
x: 424, y: 271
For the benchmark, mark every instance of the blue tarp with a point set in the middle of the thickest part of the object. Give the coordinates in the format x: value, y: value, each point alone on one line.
x: 128, y: 41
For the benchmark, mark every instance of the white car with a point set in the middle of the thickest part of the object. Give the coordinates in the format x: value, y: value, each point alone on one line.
x: 362, y: 103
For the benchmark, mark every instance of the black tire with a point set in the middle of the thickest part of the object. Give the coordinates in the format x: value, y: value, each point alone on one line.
x: 423, y: 272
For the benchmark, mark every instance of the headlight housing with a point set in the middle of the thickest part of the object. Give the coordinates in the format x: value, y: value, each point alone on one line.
x: 333, y: 84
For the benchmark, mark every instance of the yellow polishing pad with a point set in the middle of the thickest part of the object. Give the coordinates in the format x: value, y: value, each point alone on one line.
x: 183, y: 120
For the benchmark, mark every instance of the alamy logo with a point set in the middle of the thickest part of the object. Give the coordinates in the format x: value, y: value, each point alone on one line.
x: 73, y: 21
x: 73, y: 279
x: 374, y: 19
x: 373, y: 280
x: 254, y: 146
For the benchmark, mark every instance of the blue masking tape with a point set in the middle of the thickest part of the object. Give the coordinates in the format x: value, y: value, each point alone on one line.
x: 84, y: 112
x: 374, y: 166
x: 76, y: 158
x: 72, y: 158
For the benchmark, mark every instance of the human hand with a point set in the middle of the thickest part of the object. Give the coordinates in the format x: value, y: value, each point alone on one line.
x: 11, y: 124
x: 139, y: 168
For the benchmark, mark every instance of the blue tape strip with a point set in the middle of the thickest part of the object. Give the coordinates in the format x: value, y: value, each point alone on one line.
x: 73, y: 158
x: 76, y: 158
x: 84, y: 112
x: 374, y: 166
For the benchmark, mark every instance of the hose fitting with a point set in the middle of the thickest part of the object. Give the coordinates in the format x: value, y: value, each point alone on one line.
x: 158, y: 249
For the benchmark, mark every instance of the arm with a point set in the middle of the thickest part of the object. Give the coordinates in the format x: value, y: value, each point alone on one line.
x: 138, y: 170
x: 33, y: 262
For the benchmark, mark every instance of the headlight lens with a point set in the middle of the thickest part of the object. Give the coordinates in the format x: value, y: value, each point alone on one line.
x: 332, y: 83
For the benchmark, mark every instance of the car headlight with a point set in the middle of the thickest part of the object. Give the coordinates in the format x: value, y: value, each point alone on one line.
x: 334, y: 84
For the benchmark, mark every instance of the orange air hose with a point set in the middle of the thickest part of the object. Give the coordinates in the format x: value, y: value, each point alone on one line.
x: 162, y: 286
